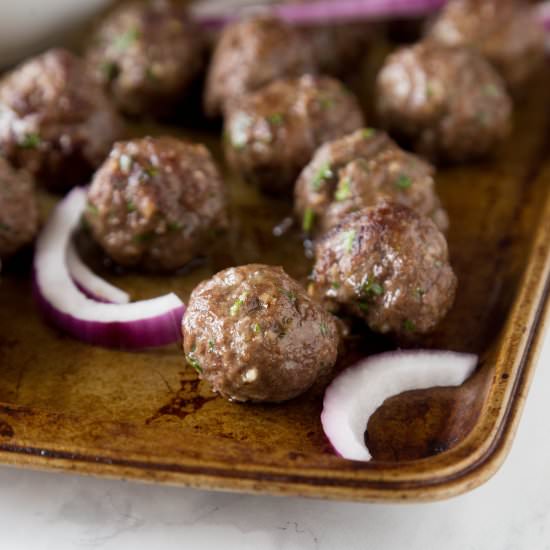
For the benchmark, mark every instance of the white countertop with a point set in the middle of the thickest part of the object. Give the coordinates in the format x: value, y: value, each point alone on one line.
x: 510, y: 512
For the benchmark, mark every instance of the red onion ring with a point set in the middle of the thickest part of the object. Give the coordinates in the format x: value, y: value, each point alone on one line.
x: 143, y: 324
x: 354, y: 395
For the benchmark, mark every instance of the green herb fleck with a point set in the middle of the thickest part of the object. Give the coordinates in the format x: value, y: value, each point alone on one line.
x: 4, y: 227
x: 491, y: 90
x: 348, y: 238
x: 429, y: 89
x: 289, y: 294
x: 30, y: 141
x: 343, y: 191
x: 237, y: 304
x: 256, y: 328
x: 192, y: 362
x: 363, y: 306
x: 403, y: 182
x: 367, y: 133
x: 323, y: 328
x: 276, y: 119
x: 109, y: 70
x: 144, y: 237
x: 373, y: 288
x: 323, y: 174
x: 150, y: 74
x: 309, y: 218
x: 125, y: 163
x: 130, y: 206
x: 419, y: 292
x: 409, y: 325
x: 438, y: 264
x: 126, y: 39
x: 335, y: 285
x: 211, y: 345
x: 92, y: 209
x: 174, y: 226
x: 326, y: 102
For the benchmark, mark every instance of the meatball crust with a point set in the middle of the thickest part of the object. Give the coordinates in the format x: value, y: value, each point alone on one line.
x: 389, y: 266
x: 250, y: 54
x: 254, y: 334
x: 18, y: 209
x: 271, y: 134
x: 506, y: 32
x: 360, y: 170
x: 447, y: 101
x: 156, y: 202
x: 147, y: 55
x: 55, y: 120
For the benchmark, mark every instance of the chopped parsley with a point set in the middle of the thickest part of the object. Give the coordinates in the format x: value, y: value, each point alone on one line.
x: 491, y: 90
x: 335, y: 285
x: 144, y: 237
x: 109, y: 69
x: 237, y: 304
x: 276, y: 119
x: 419, y: 292
x: 367, y: 133
x: 373, y: 288
x: 256, y: 328
x: 211, y: 345
x: 30, y: 141
x: 403, y: 182
x: 4, y: 227
x: 309, y: 218
x: 150, y: 74
x: 92, y: 209
x: 409, y: 325
x: 192, y: 362
x: 174, y: 226
x: 324, y: 173
x: 326, y: 102
x: 323, y: 328
x: 126, y: 39
x: 348, y: 238
x: 289, y: 294
x: 343, y: 191
x: 130, y: 206
x: 363, y: 306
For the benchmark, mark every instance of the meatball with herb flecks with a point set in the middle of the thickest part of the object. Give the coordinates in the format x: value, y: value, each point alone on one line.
x: 156, y: 203
x: 447, y: 102
x: 271, y: 134
x: 388, y: 266
x: 506, y: 32
x: 252, y: 53
x: 55, y: 120
x: 18, y: 209
x: 254, y: 334
x: 147, y: 54
x: 360, y: 170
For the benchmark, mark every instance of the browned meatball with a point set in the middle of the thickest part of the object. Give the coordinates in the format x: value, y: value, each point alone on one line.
x: 449, y: 102
x: 254, y: 334
x: 156, y: 202
x: 271, y: 134
x: 18, y: 210
x: 55, y: 120
x: 506, y: 32
x: 250, y: 54
x: 360, y: 170
x: 147, y: 55
x: 389, y: 266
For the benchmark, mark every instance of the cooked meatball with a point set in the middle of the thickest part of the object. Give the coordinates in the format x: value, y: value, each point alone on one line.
x: 55, y: 121
x: 389, y: 266
x: 147, y: 55
x: 448, y: 102
x: 271, y: 134
x: 254, y: 334
x: 360, y: 170
x: 156, y: 202
x: 506, y: 32
x: 18, y: 211
x: 250, y: 54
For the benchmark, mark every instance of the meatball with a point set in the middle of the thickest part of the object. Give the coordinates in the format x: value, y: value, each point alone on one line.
x: 156, y: 202
x: 506, y: 32
x: 389, y: 266
x: 271, y: 134
x: 254, y: 334
x: 55, y: 120
x: 250, y: 54
x: 147, y: 55
x: 447, y: 101
x: 360, y: 170
x: 18, y: 210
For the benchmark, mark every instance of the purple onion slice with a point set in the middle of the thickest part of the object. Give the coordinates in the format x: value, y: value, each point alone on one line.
x: 354, y: 395
x: 143, y: 324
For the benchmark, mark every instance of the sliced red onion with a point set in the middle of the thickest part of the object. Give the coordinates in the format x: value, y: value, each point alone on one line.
x: 89, y: 283
x: 321, y: 11
x: 353, y: 396
x: 141, y: 324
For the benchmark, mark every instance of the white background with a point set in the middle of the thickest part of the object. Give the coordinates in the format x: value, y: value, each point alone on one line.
x: 510, y: 512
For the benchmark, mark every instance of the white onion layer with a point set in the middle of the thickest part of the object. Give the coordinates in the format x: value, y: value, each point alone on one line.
x: 139, y: 324
x: 353, y: 396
